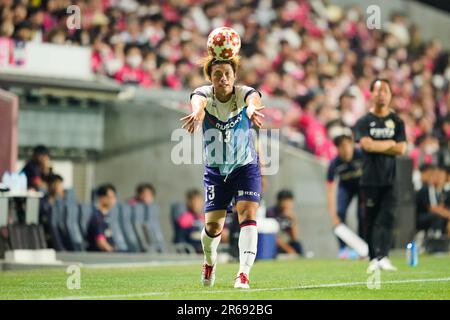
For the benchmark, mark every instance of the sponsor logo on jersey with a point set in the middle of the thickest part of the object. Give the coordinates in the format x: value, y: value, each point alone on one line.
x: 389, y: 124
x: 248, y: 193
x: 382, y: 133
x: 229, y: 125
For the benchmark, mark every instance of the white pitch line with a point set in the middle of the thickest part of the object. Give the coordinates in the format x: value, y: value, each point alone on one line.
x: 316, y: 286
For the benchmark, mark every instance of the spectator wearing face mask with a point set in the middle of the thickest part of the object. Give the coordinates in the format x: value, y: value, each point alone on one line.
x: 132, y: 72
x: 426, y: 151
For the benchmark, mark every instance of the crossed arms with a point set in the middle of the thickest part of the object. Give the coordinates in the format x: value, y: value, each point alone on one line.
x: 388, y: 147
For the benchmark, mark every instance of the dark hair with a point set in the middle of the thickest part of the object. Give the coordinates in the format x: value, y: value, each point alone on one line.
x: 130, y: 46
x: 54, y: 178
x: 103, y: 189
x: 141, y: 187
x: 285, y: 195
x: 426, y: 166
x: 191, y: 193
x: 372, y: 85
x: 41, y: 150
x: 345, y: 94
x: 210, y: 61
x: 339, y: 139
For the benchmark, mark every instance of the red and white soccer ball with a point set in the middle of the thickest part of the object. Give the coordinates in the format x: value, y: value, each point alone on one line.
x: 223, y: 43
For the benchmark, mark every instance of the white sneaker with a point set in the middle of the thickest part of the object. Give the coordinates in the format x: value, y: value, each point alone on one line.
x: 208, y: 275
x: 386, y: 264
x: 242, y: 281
x: 373, y: 266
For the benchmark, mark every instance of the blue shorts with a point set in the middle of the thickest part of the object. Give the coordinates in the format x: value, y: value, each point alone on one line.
x: 243, y: 183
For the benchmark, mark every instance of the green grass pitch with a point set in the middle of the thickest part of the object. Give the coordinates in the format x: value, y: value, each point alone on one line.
x: 287, y: 279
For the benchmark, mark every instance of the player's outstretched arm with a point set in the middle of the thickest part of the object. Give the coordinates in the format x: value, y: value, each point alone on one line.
x: 193, y: 121
x: 254, y: 106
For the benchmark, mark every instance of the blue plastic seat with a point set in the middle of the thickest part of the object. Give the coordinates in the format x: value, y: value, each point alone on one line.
x: 72, y: 218
x: 117, y: 235
x: 125, y: 220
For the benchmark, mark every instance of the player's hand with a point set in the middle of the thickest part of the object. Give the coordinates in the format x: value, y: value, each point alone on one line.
x: 193, y: 121
x: 255, y: 115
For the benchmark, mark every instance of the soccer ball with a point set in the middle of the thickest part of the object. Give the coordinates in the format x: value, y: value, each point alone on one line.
x: 223, y: 43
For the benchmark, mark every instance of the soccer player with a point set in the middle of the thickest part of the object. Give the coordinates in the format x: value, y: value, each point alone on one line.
x: 381, y: 134
x: 347, y: 166
x: 226, y: 112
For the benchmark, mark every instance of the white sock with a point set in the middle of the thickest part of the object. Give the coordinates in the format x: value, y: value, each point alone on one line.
x: 210, y: 247
x: 248, y: 241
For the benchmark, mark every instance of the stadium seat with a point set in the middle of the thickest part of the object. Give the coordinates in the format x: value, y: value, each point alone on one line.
x: 138, y: 219
x: 72, y: 218
x: 117, y: 235
x: 154, y: 227
x: 86, y: 210
x: 16, y: 236
x: 125, y: 219
x: 35, y: 238
x: 69, y: 196
x: 56, y: 219
x: 176, y: 209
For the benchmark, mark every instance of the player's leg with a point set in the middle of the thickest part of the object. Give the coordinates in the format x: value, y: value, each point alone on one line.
x: 211, y: 234
x: 217, y: 198
x: 382, y: 233
x: 248, y: 240
x: 210, y: 238
x: 343, y: 201
x: 360, y: 214
x: 246, y: 182
x: 370, y: 200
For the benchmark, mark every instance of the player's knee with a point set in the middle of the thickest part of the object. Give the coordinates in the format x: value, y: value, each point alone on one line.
x: 213, y: 228
x: 247, y: 213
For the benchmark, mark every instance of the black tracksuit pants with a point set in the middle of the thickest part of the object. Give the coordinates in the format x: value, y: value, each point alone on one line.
x: 379, y: 203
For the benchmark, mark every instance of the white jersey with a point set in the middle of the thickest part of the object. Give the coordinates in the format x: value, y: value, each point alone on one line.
x: 230, y: 123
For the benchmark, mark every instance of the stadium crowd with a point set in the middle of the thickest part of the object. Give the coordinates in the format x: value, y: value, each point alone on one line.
x: 319, y: 56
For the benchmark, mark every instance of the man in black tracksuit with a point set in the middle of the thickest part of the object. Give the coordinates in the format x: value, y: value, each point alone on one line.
x: 381, y: 134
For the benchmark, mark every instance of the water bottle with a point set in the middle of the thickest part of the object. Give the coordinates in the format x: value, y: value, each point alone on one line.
x: 412, y: 257
x: 14, y: 182
x: 22, y: 182
x: 6, y: 179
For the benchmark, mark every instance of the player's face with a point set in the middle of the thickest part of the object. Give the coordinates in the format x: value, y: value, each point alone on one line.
x: 381, y: 94
x: 223, y: 77
x: 146, y: 196
x: 196, y: 204
x: 426, y: 176
x: 286, y: 206
x: 345, y: 150
x: 43, y: 160
x: 440, y: 177
x: 109, y: 200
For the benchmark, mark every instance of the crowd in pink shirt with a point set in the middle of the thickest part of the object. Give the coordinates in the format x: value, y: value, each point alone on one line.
x: 320, y: 57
